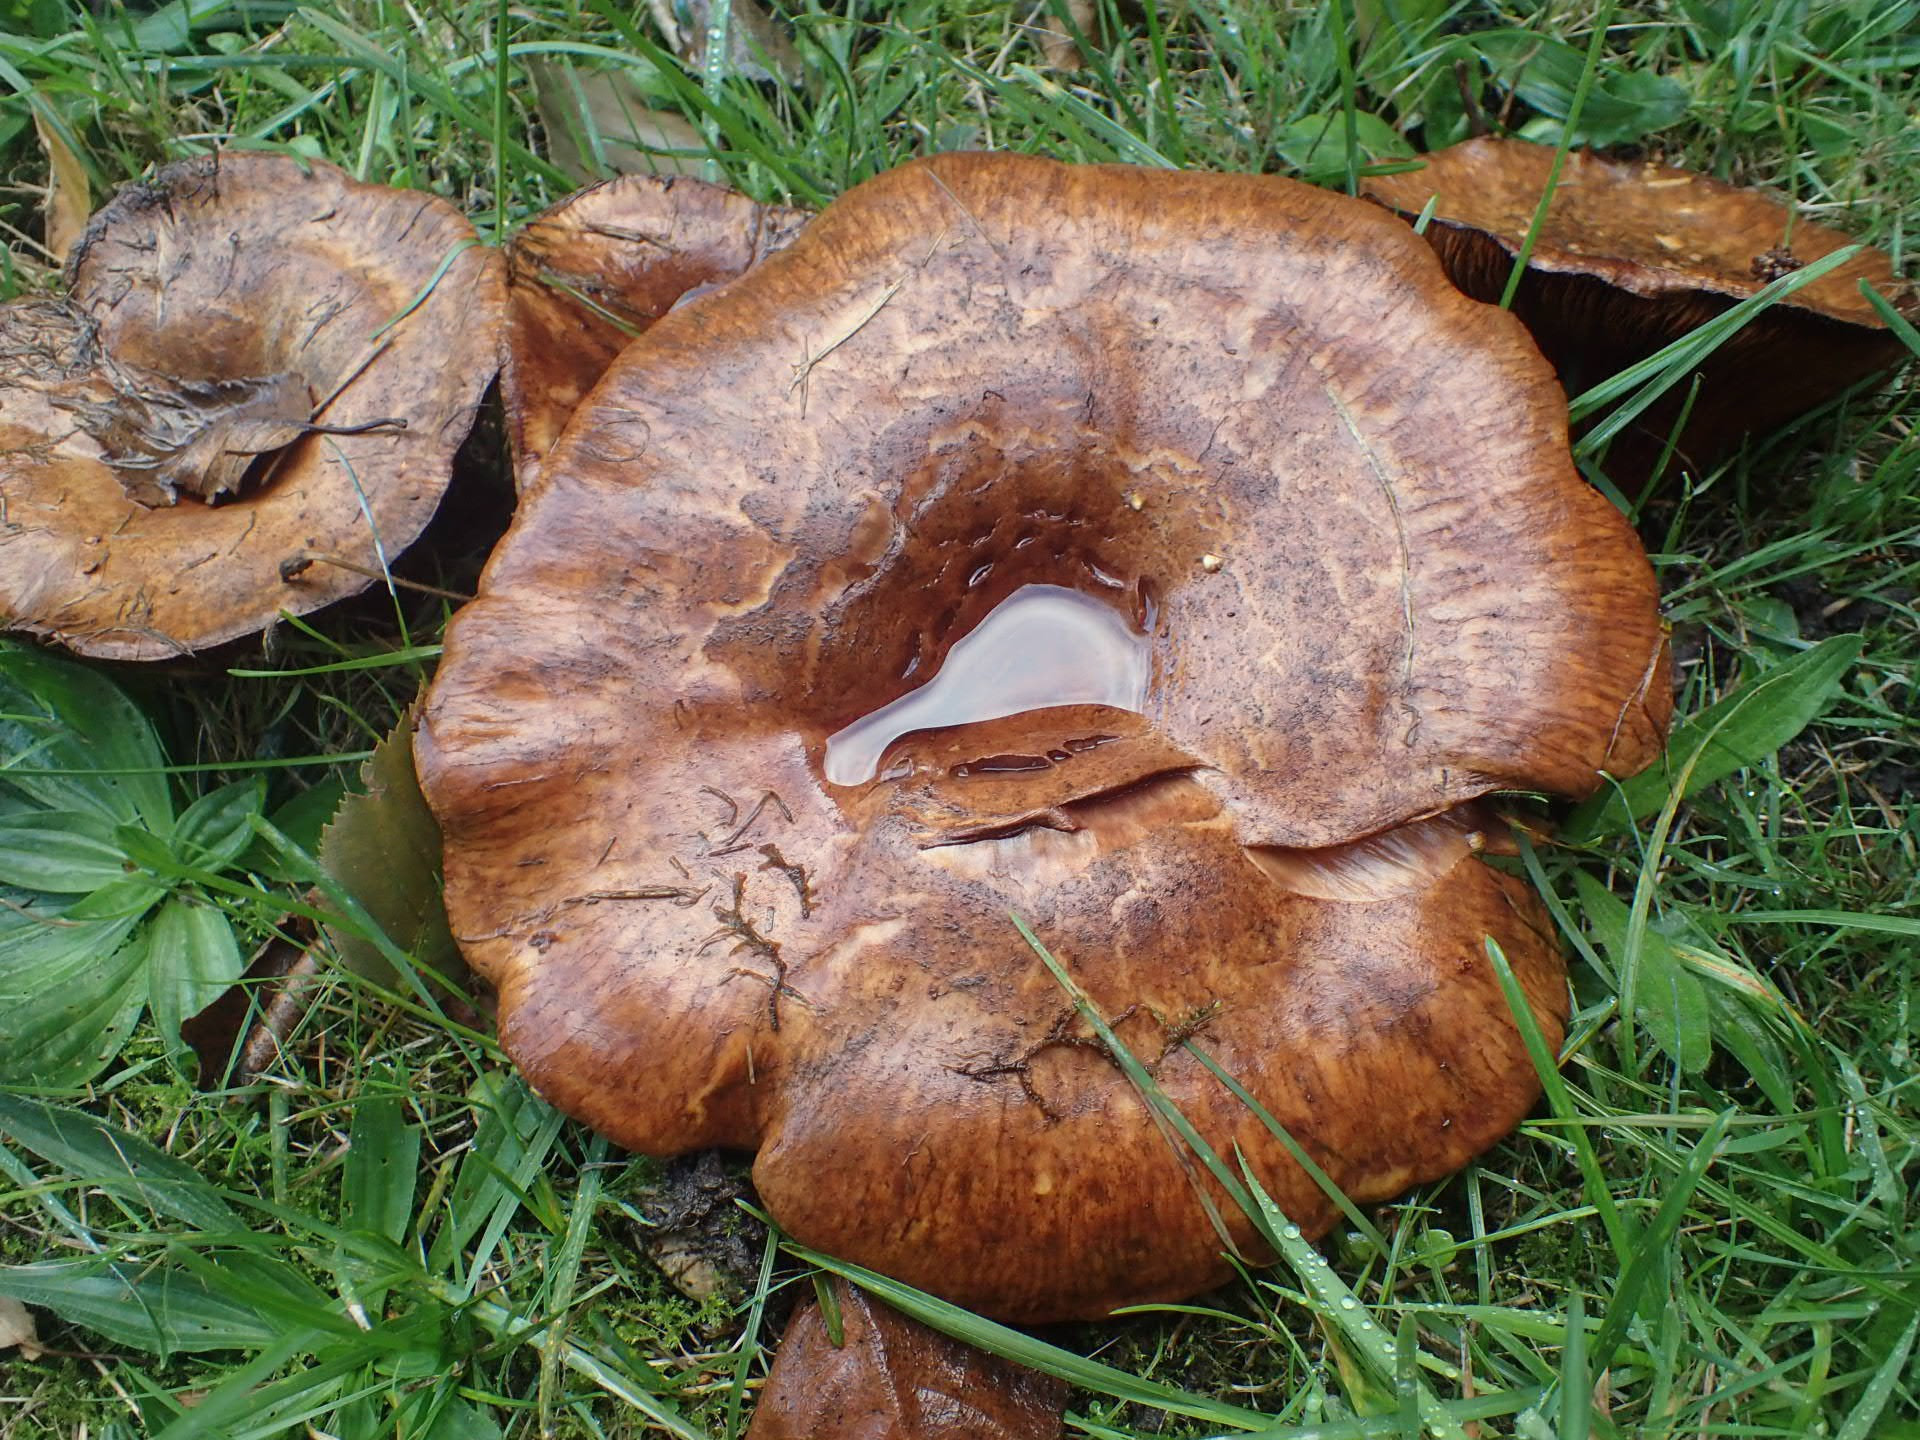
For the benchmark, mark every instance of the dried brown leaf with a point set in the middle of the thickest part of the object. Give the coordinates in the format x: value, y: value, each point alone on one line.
x: 161, y: 436
x: 240, y: 1034
x: 1057, y: 45
x: 16, y: 1329
x: 69, y: 196
x: 758, y: 47
x: 601, y: 123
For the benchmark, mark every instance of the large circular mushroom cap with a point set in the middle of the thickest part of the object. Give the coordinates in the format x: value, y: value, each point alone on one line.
x: 1631, y: 257
x: 1270, y: 541
x: 587, y: 275
x: 238, y: 286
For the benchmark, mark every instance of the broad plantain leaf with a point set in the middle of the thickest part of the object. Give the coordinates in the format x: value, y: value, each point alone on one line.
x: 216, y: 828
x: 192, y: 959
x: 1620, y: 109
x: 60, y: 852
x: 383, y: 1160
x: 86, y: 811
x: 70, y: 990
x: 121, y: 1163
x: 163, y: 1310
x: 1729, y: 735
x: 72, y: 741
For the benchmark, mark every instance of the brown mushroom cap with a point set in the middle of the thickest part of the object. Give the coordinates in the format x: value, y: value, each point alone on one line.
x: 892, y: 1378
x: 223, y: 278
x: 1333, y: 499
x: 1632, y: 256
x: 589, y: 274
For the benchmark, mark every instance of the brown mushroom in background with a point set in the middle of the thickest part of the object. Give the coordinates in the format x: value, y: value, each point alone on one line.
x: 1631, y: 257
x: 257, y: 361
x: 592, y: 272
x: 892, y: 1378
x: 1165, y: 557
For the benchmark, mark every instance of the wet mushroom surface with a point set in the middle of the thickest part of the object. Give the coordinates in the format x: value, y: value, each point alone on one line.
x: 1631, y: 256
x: 589, y: 274
x: 1172, y: 559
x: 877, y: 1375
x: 257, y: 362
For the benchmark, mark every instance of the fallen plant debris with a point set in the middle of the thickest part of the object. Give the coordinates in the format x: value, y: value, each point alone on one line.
x: 241, y: 1034
x: 604, y: 122
x: 69, y: 193
x: 162, y: 437
x: 17, y: 1331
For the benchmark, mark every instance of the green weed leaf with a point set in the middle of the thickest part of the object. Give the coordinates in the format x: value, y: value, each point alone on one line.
x: 1740, y: 731
x: 192, y: 957
x: 1545, y: 73
x: 59, y: 852
x: 71, y: 740
x: 382, y: 1162
x: 164, y: 1311
x: 70, y: 991
x: 116, y: 1161
x: 383, y: 847
x: 1670, y: 1001
x: 213, y: 831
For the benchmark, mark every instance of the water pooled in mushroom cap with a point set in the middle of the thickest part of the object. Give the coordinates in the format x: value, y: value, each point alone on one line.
x: 1043, y: 646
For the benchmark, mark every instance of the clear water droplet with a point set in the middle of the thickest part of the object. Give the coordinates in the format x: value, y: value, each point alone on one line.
x: 1043, y: 646
x: 1347, y: 1302
x: 1292, y: 1232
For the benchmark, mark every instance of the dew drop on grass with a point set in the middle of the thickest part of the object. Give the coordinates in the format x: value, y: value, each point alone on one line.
x: 1347, y: 1302
x: 1292, y: 1232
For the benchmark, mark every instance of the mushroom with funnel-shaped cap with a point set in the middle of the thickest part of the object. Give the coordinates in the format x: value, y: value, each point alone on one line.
x: 1334, y: 577
x: 257, y: 361
x: 1630, y: 257
x: 587, y: 275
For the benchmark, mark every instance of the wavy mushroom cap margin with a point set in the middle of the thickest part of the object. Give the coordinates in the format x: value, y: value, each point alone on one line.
x: 225, y: 276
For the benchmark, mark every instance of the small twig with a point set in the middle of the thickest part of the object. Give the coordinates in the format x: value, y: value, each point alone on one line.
x: 294, y: 566
x: 1476, y: 118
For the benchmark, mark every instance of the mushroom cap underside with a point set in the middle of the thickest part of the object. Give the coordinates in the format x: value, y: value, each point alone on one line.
x: 590, y: 273
x: 1630, y: 258
x: 1645, y: 228
x: 228, y: 278
x: 1254, y: 425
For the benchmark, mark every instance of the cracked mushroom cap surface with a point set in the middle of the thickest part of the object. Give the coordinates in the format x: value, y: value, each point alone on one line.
x: 587, y: 275
x: 1631, y: 256
x: 1171, y: 559
x: 256, y: 362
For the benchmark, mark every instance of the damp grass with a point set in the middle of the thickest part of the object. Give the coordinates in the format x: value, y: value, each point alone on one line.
x: 1705, y: 1229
